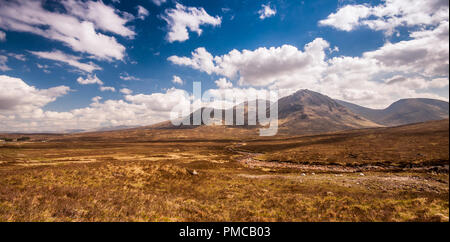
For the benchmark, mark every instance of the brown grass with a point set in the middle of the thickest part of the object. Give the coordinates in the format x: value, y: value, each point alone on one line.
x: 106, y: 179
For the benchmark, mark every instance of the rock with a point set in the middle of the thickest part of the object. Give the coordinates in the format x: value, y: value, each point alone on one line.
x: 303, y: 174
x: 193, y: 172
x: 313, y: 173
x: 330, y: 193
x: 361, y: 174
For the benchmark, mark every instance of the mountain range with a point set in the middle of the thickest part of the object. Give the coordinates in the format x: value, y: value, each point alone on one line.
x: 404, y: 111
x: 308, y: 112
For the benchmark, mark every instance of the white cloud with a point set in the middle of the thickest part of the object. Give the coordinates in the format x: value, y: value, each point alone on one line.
x: 89, y: 80
x: 126, y: 91
x: 405, y: 69
x: 2, y: 36
x: 28, y: 115
x: 427, y: 53
x: 105, y: 89
x: 177, y: 80
x: 126, y: 77
x: 96, y: 99
x: 76, y: 28
x: 422, y: 61
x: 183, y: 19
x: 159, y: 2
x: 438, y: 83
x: 68, y: 59
x: 44, y: 68
x: 201, y: 60
x: 347, y: 17
x: 104, y: 17
x: 223, y: 83
x: 142, y: 12
x: 416, y: 82
x: 389, y: 15
x: 139, y: 109
x: 3, y: 66
x: 266, y: 11
x: 160, y: 101
x: 17, y: 96
x: 18, y: 56
x: 262, y: 66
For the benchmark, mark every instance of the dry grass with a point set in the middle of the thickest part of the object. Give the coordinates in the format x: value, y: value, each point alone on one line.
x: 108, y: 180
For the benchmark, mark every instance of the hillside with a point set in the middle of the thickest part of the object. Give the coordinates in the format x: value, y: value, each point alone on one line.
x: 404, y: 111
x: 306, y: 112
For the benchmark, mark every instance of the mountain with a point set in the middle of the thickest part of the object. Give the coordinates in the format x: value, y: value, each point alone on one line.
x: 307, y: 112
x: 304, y: 112
x: 404, y: 111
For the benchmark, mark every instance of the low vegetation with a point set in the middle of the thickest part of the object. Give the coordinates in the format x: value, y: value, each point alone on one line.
x: 346, y: 176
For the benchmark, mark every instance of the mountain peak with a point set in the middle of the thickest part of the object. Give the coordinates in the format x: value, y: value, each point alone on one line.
x: 311, y: 98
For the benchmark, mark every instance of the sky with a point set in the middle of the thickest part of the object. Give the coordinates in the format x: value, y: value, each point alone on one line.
x: 83, y: 65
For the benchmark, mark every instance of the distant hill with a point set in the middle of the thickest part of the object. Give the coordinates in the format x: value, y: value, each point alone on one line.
x: 404, y: 111
x: 304, y: 112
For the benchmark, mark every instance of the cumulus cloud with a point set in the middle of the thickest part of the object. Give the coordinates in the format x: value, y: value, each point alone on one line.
x: 93, y: 79
x: 20, y: 57
x: 104, y: 17
x: 389, y: 15
x: 96, y: 99
x: 201, y: 59
x: 160, y: 101
x: 266, y: 11
x: 126, y: 91
x: 438, y: 83
x: 142, y: 12
x: 426, y: 52
x: 105, y: 89
x: 127, y: 77
x: 21, y: 108
x: 416, y: 82
x: 158, y: 2
x: 182, y: 19
x: 404, y: 69
x: 347, y: 17
x: 71, y: 60
x: 177, y: 80
x: 16, y: 95
x: 223, y: 83
x: 420, y: 62
x: 76, y: 28
x: 262, y: 66
x: 3, y: 66
x: 44, y: 68
x: 89, y: 80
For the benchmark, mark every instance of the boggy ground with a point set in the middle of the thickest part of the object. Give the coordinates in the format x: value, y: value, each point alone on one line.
x: 385, y: 174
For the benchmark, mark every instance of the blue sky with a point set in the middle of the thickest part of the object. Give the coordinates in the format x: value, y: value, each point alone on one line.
x: 367, y: 52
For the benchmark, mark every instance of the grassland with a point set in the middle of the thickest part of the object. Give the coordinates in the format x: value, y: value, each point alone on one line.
x: 383, y: 174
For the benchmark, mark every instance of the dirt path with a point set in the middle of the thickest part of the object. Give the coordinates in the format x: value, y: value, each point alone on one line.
x: 250, y: 160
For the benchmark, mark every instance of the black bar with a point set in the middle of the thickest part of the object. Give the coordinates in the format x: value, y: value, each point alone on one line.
x: 223, y: 232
